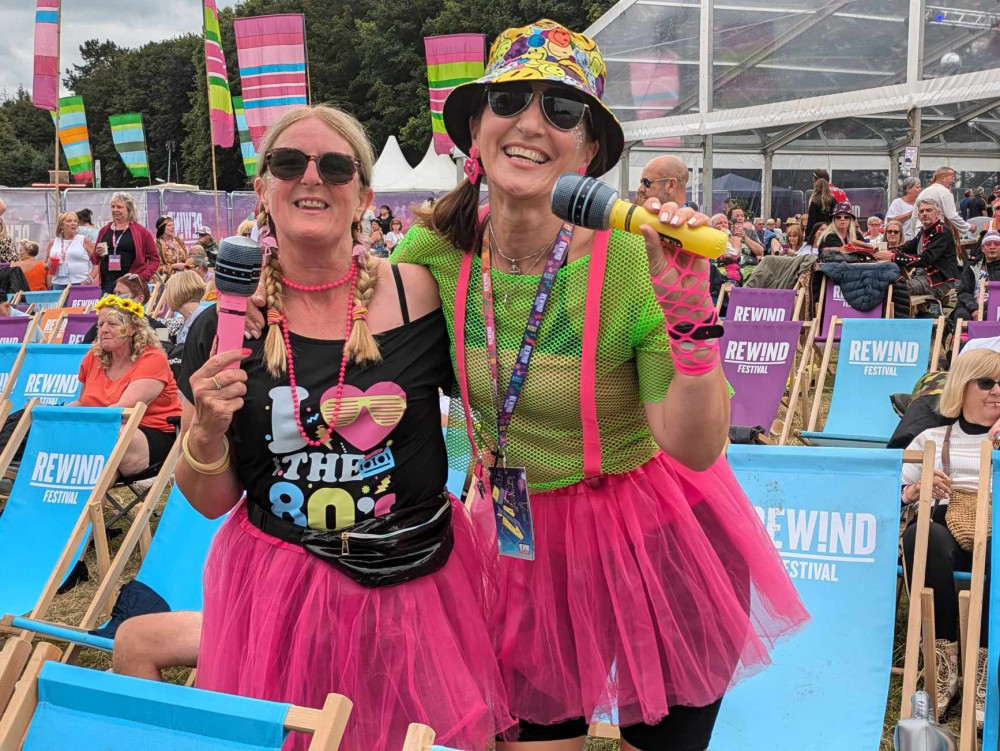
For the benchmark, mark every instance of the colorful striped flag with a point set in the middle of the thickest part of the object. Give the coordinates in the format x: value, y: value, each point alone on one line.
x: 656, y: 92
x: 74, y: 138
x: 220, y: 103
x: 130, y: 142
x: 451, y: 60
x: 272, y: 56
x: 45, y: 85
x: 246, y: 144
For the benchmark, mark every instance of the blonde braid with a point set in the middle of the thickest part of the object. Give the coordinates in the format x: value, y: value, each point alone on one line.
x: 361, y: 347
x: 275, y: 357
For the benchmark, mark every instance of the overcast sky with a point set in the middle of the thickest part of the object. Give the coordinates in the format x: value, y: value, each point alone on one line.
x: 129, y: 23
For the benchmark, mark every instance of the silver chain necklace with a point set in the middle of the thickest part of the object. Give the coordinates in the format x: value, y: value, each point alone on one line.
x: 528, y: 260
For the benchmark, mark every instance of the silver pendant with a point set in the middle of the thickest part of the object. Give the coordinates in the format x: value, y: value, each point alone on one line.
x: 514, y: 270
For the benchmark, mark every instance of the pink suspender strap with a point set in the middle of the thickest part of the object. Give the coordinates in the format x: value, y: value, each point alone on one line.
x: 461, y: 303
x: 588, y: 364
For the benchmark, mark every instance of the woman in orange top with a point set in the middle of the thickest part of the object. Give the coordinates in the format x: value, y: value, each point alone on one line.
x: 34, y: 270
x: 125, y: 366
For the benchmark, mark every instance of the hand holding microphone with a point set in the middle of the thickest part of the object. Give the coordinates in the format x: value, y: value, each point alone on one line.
x: 237, y: 272
x: 679, y: 263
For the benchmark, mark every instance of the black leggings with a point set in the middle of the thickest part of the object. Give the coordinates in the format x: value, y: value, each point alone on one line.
x: 944, y: 557
x: 684, y: 729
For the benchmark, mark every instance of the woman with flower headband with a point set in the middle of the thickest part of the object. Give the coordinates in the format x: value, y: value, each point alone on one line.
x: 126, y: 365
x: 348, y: 569
x: 653, y: 585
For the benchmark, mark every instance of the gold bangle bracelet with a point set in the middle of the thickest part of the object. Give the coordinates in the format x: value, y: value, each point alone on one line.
x: 215, y: 468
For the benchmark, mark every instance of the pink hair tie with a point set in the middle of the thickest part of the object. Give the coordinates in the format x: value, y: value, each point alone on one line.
x: 473, y: 167
x: 274, y: 316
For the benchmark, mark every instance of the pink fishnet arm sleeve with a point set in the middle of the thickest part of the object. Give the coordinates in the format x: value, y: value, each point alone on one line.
x: 682, y: 290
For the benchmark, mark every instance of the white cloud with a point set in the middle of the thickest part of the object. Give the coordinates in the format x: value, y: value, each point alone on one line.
x: 128, y: 24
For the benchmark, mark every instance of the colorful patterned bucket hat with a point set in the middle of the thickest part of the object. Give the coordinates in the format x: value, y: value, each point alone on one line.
x: 543, y: 51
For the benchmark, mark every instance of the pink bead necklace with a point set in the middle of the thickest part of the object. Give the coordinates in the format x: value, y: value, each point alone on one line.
x: 319, y: 287
x: 351, y: 277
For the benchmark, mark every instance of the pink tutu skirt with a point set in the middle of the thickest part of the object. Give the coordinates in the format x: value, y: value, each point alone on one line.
x: 657, y: 588
x: 283, y: 625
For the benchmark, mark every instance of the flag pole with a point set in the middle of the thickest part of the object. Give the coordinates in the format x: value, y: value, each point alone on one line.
x: 211, y: 126
x: 145, y: 148
x: 58, y: 46
x: 305, y: 47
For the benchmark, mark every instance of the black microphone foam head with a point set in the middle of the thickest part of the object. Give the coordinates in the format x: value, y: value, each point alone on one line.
x: 237, y: 268
x: 584, y: 201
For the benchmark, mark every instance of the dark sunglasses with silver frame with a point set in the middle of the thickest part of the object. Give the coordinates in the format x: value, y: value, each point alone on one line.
x: 563, y: 108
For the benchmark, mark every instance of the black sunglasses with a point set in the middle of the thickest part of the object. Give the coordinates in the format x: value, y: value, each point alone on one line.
x: 562, y: 109
x: 986, y: 384
x: 892, y: 232
x: 333, y: 167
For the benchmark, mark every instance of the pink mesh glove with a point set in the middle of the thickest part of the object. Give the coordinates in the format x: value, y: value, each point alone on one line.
x: 680, y: 283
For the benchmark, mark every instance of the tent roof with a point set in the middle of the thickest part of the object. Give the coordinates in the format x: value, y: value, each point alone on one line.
x: 391, y: 169
x: 436, y: 172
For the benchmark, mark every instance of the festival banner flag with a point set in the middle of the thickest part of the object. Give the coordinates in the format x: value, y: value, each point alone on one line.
x: 452, y: 59
x: 130, y: 141
x: 246, y: 143
x: 656, y: 92
x: 74, y: 137
x: 220, y: 104
x: 45, y: 85
x: 272, y: 54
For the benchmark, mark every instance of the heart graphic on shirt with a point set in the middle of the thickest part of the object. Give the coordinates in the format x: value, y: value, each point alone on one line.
x: 365, y: 418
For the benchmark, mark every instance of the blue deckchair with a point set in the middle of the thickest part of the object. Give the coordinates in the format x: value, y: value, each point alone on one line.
x: 878, y: 357
x: 68, y: 708
x: 833, y: 515
x: 45, y: 298
x: 47, y: 373
x: 172, y: 566
x: 69, y: 462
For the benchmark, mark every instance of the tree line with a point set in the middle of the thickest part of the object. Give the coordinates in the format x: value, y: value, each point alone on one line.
x: 365, y: 56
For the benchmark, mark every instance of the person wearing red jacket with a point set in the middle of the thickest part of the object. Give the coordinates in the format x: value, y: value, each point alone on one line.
x: 124, y: 246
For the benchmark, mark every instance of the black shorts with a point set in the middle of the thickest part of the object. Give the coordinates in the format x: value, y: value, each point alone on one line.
x: 684, y: 729
x: 160, y: 442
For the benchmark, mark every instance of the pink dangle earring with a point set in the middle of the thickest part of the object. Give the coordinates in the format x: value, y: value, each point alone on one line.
x: 473, y: 167
x: 582, y: 170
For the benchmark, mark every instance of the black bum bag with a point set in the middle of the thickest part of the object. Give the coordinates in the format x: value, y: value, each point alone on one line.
x: 379, y: 552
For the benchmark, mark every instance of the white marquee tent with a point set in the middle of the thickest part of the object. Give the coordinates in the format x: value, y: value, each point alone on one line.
x: 391, y: 169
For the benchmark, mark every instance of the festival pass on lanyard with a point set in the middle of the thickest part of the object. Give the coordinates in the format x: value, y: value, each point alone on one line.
x: 509, y: 485
x: 115, y: 260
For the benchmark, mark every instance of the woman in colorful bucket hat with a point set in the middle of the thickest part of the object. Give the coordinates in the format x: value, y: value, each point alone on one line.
x: 653, y: 585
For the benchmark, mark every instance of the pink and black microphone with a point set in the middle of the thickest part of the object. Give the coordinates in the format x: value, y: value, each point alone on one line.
x: 237, y: 273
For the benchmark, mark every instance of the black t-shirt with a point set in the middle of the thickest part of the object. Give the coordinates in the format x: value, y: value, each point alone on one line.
x: 125, y: 248
x: 977, y: 208
x: 392, y: 453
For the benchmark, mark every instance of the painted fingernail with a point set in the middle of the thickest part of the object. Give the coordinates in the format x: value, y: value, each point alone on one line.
x: 692, y: 221
x: 245, y: 351
x: 664, y: 217
x: 656, y: 205
x: 675, y: 221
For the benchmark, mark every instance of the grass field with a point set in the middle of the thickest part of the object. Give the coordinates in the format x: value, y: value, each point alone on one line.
x: 70, y: 607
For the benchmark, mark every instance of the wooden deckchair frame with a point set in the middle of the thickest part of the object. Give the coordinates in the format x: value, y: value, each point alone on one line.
x: 54, y: 337
x: 16, y: 650
x: 20, y: 296
x: 15, y: 369
x: 326, y: 725
x: 138, y: 534
x: 825, y: 369
x: 800, y: 295
x: 888, y: 310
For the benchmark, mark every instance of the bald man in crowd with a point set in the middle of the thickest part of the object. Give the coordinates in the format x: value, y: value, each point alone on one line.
x: 665, y: 178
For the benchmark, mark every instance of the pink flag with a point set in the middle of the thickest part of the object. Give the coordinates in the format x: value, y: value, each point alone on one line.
x: 45, y: 86
x: 451, y: 60
x: 272, y: 54
x: 656, y: 91
x: 220, y: 103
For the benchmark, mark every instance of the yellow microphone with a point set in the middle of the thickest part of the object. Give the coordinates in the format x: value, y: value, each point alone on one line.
x: 590, y: 203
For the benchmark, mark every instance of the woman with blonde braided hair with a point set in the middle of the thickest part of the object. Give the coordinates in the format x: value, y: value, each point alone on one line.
x: 348, y: 568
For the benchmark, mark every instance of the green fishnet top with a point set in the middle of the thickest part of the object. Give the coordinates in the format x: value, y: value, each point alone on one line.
x: 546, y: 431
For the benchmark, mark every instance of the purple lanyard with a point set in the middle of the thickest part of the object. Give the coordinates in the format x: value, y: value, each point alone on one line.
x: 520, y: 372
